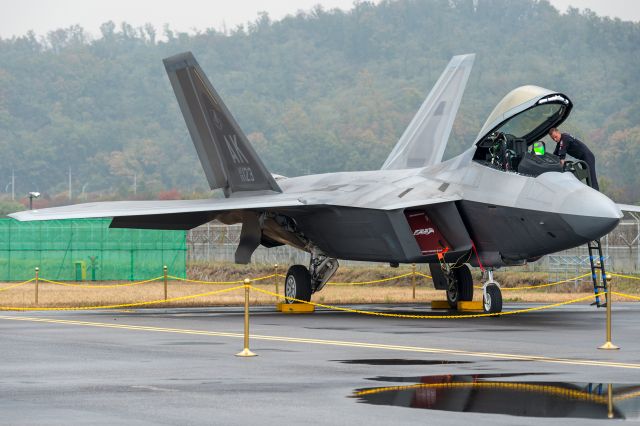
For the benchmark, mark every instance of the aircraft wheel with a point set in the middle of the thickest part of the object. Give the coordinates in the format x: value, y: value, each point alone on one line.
x: 465, y: 283
x: 492, y: 302
x: 452, y: 293
x: 460, y: 285
x: 297, y: 284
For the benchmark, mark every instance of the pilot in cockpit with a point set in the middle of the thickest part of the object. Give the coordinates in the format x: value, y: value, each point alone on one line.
x: 567, y: 144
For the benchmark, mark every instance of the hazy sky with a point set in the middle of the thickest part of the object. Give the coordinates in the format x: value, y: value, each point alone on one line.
x: 19, y: 16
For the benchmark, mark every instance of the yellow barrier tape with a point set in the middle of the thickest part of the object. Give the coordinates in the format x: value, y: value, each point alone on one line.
x: 527, y: 287
x: 624, y: 276
x: 412, y: 316
x: 420, y: 274
x: 396, y: 277
x: 220, y: 282
x: 17, y: 285
x: 624, y: 397
x: 99, y: 286
x: 338, y: 283
x: 527, y: 387
x: 281, y: 275
x: 543, y: 285
x: 625, y: 295
x: 372, y: 281
x: 122, y: 305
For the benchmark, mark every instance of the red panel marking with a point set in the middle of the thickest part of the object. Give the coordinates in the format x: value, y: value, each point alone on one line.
x: 427, y: 235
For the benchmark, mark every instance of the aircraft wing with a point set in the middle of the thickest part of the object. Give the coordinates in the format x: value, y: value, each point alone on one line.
x: 168, y: 214
x: 187, y: 214
x: 629, y: 208
x: 425, y: 139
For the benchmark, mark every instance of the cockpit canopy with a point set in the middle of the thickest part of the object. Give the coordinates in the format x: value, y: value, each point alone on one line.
x: 519, y: 120
x: 527, y: 112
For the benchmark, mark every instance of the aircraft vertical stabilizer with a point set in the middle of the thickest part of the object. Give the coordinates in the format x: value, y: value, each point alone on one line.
x: 228, y: 159
x: 425, y: 139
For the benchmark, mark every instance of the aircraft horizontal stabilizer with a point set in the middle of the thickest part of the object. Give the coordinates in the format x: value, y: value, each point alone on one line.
x: 425, y: 139
x: 228, y: 159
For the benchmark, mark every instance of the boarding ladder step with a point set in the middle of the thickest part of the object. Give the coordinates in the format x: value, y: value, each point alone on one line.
x: 598, y: 273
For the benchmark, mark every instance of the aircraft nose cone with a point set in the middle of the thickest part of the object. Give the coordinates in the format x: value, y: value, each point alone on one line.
x: 593, y: 214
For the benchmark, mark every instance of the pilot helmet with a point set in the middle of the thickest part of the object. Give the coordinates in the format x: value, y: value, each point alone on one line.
x: 538, y: 148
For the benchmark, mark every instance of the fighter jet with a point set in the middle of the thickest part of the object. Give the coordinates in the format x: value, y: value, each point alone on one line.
x: 497, y: 204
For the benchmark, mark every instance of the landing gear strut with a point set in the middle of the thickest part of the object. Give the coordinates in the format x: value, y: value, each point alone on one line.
x: 491, y: 295
x: 457, y: 281
x: 301, y: 282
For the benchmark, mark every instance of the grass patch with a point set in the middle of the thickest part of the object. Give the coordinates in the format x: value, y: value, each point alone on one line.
x: 395, y: 291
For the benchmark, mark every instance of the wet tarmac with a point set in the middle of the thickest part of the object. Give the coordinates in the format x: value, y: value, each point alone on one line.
x: 487, y: 393
x: 178, y: 366
x: 395, y: 361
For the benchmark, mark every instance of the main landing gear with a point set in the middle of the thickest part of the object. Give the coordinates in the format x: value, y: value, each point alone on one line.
x: 301, y: 282
x: 458, y: 284
x: 457, y: 281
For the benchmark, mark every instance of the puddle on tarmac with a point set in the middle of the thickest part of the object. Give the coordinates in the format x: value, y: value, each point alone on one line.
x: 490, y: 393
x: 395, y: 361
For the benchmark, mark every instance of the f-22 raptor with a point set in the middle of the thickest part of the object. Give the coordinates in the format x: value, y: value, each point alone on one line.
x: 499, y: 203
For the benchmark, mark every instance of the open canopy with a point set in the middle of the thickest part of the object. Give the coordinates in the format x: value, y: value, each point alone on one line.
x: 527, y: 112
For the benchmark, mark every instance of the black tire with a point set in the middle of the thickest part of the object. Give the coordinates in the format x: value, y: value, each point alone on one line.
x: 465, y: 283
x: 297, y: 284
x: 453, y: 295
x: 492, y: 301
x: 460, y: 287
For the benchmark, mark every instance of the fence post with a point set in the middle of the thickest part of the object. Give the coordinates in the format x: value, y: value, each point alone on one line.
x: 246, y: 352
x: 37, y: 279
x: 608, y: 345
x: 413, y: 279
x: 276, y: 277
x: 165, y: 281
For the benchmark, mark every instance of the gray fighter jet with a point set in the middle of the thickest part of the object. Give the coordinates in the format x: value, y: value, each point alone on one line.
x: 499, y: 203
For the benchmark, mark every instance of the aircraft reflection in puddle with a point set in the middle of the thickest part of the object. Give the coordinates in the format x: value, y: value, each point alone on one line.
x: 479, y: 394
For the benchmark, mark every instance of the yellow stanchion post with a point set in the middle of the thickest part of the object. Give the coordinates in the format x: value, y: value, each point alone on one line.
x: 276, y: 277
x: 165, y: 281
x: 610, y: 401
x: 246, y: 352
x: 608, y: 345
x: 37, y: 279
x: 413, y: 279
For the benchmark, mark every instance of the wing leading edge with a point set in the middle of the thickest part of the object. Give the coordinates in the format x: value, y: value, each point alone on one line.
x: 169, y: 214
x: 425, y: 139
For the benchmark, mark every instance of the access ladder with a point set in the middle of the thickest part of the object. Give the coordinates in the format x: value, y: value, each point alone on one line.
x: 598, y: 274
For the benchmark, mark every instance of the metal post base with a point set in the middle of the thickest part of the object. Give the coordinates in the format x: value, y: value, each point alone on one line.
x: 246, y: 353
x: 609, y: 346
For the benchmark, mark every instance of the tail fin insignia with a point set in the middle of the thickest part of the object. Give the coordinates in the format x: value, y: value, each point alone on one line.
x: 228, y: 159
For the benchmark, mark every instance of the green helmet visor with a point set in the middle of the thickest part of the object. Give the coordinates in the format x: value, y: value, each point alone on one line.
x: 538, y: 148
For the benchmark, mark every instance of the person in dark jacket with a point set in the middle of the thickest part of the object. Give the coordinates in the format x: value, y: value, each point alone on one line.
x: 567, y: 144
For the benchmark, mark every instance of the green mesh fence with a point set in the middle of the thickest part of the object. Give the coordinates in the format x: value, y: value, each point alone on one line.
x: 87, y: 249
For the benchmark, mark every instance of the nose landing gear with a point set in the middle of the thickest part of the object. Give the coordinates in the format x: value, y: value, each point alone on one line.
x: 491, y: 295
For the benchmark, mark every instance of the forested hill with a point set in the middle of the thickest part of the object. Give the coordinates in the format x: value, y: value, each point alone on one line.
x: 316, y: 92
